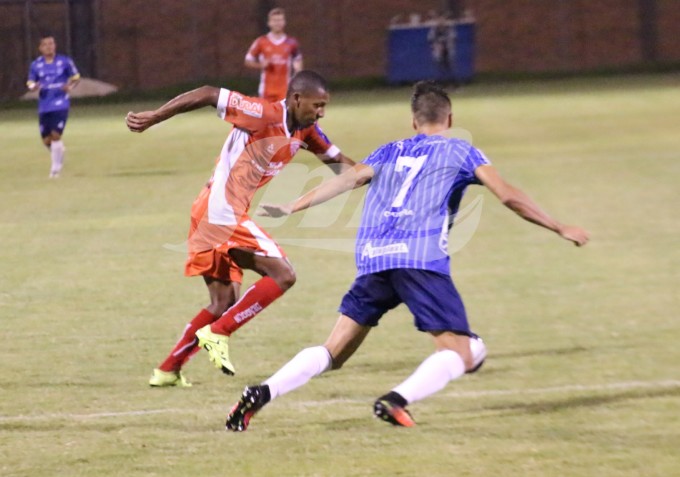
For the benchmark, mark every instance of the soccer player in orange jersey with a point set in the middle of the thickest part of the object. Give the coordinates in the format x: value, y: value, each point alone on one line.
x: 276, y: 55
x: 223, y: 239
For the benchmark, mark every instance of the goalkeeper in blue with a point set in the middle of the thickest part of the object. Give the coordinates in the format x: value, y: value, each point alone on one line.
x: 414, y: 191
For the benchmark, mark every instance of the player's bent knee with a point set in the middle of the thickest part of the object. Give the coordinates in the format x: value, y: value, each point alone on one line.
x: 286, y: 278
x: 458, y: 343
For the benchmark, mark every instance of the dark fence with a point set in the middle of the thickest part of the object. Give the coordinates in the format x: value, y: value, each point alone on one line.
x: 146, y: 44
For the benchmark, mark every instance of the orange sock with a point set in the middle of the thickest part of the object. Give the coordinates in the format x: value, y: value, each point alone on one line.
x: 254, y: 300
x: 186, y: 346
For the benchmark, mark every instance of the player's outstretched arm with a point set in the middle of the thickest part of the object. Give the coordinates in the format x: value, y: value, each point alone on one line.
x: 338, y: 164
x: 357, y: 176
x: 525, y: 207
x: 195, y: 99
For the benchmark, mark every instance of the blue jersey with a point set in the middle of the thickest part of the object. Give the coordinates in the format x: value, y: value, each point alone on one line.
x: 411, y: 202
x: 52, y: 78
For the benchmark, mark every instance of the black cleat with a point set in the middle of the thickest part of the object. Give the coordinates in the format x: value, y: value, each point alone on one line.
x: 252, y: 400
x: 392, y: 408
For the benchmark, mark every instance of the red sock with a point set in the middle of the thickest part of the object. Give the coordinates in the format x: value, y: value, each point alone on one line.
x: 186, y: 346
x: 254, y: 300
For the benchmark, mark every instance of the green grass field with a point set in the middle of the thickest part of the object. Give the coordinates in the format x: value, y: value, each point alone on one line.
x: 583, y: 376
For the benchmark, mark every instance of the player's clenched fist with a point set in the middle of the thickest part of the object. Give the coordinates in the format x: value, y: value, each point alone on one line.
x: 577, y: 235
x: 140, y: 122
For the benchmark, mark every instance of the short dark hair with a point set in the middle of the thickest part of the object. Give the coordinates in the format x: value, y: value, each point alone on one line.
x: 307, y: 81
x: 276, y: 11
x: 430, y: 103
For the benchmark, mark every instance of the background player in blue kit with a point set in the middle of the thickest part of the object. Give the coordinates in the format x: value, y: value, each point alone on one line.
x: 416, y: 186
x: 54, y: 76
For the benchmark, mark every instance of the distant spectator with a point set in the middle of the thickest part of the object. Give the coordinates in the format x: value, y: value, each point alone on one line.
x: 441, y: 38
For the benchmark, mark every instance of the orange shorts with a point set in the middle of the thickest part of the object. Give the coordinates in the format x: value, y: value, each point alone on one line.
x: 216, y: 262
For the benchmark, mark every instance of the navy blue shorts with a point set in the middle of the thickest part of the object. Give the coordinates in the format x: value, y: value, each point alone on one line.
x: 430, y: 296
x: 52, y: 121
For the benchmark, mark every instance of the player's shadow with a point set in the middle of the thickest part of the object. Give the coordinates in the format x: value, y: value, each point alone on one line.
x: 557, y: 405
x: 540, y: 352
x: 398, y: 365
x: 350, y: 423
x: 143, y: 173
x: 498, y: 358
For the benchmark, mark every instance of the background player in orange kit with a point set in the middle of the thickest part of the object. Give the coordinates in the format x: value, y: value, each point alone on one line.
x: 223, y: 239
x: 276, y: 55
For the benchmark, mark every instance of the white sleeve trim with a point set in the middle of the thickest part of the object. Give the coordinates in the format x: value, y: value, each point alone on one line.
x: 222, y: 102
x: 331, y: 152
x: 250, y: 57
x: 488, y: 161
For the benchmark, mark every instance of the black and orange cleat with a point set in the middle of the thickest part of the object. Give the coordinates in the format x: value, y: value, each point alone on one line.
x: 252, y: 400
x: 392, y: 408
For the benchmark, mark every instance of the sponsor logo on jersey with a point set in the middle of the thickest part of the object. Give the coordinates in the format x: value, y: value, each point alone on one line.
x: 277, y: 59
x: 393, y: 248
x: 274, y: 168
x: 251, y: 108
x: 260, y: 169
x: 399, y: 213
x: 249, y: 312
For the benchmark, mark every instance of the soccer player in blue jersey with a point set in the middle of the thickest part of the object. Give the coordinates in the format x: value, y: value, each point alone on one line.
x: 415, y: 188
x: 54, y: 76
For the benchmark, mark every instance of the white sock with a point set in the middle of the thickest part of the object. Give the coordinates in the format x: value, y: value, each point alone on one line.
x: 304, y: 366
x: 57, y: 155
x: 432, y: 375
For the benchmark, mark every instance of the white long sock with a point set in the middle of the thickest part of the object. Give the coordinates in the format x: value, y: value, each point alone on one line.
x: 57, y: 151
x: 432, y: 375
x: 304, y: 366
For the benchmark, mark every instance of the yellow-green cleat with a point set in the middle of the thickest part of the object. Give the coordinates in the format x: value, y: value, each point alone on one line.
x: 217, y: 347
x: 165, y: 379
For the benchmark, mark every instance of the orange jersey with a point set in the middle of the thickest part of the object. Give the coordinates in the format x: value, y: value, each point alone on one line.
x: 256, y: 150
x: 279, y: 55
